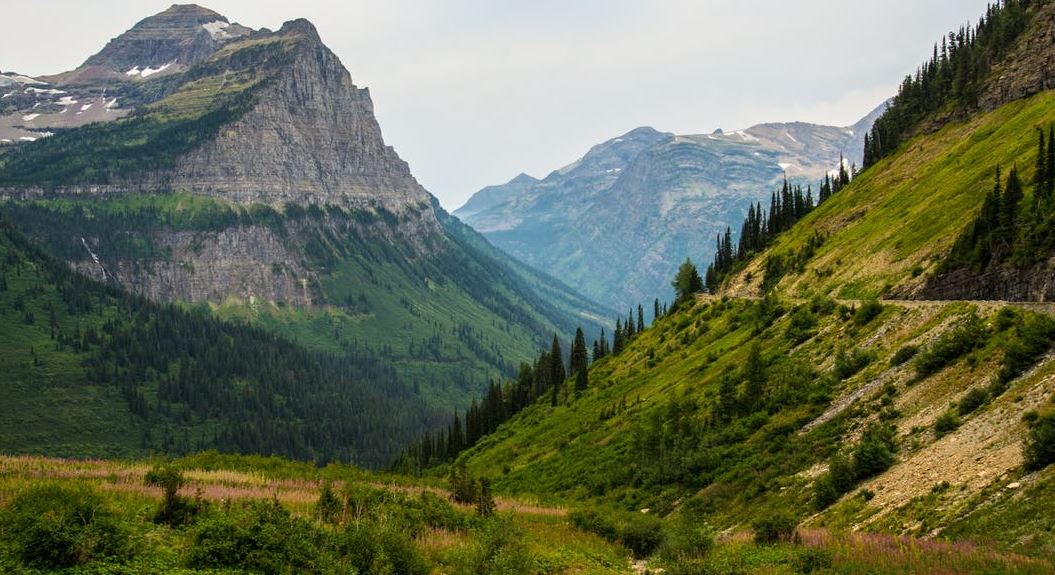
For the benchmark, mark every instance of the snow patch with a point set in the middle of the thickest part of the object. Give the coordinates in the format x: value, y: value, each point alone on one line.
x: 147, y: 70
x: 151, y: 71
x: 790, y: 137
x: 67, y: 101
x: 111, y: 104
x: 29, y: 117
x: 23, y: 79
x: 217, y: 29
x: 5, y: 141
x: 27, y: 139
x: 613, y: 171
x: 85, y: 107
x: 49, y: 91
x: 617, y: 140
x: 7, y: 95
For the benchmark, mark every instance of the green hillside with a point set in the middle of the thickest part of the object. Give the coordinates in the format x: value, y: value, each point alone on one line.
x: 906, y: 212
x: 90, y: 371
x: 448, y: 323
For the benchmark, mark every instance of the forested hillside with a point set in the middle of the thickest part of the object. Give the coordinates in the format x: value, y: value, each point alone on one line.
x: 89, y: 370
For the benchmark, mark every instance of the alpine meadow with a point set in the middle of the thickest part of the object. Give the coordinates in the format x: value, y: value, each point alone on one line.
x: 239, y: 336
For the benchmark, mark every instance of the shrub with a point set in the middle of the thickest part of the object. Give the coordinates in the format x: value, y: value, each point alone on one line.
x: 810, y: 560
x: 500, y: 550
x: 463, y: 487
x: 848, y: 364
x: 642, y: 534
x: 1039, y: 448
x: 874, y: 454
x: 55, y: 527
x: 902, y: 355
x: 373, y: 549
x: 175, y: 510
x: 774, y: 527
x: 1029, y: 342
x: 262, y: 536
x: 868, y: 311
x: 594, y: 522
x: 685, y: 537
x: 972, y: 401
x: 328, y: 506
x: 951, y: 346
x: 802, y: 326
x: 946, y: 423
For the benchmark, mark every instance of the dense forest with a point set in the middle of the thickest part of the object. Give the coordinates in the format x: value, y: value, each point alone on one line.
x: 952, y: 80
x: 192, y: 382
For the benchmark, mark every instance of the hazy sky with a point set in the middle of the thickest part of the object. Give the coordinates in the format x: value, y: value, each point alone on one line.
x: 473, y: 92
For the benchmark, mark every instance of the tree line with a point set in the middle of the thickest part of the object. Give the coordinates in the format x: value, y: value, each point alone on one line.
x: 547, y: 379
x: 953, y: 78
x: 786, y: 207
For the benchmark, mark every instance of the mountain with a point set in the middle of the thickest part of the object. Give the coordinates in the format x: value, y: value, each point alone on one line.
x: 616, y: 223
x: 795, y: 402
x: 251, y: 179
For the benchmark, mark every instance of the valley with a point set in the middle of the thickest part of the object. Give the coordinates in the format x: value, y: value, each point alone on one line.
x: 238, y: 336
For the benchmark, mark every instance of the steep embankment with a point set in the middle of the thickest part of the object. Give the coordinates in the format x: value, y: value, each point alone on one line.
x: 887, y: 232
x: 741, y: 406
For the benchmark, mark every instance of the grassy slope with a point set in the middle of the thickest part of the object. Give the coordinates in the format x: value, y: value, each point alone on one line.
x: 907, y: 211
x: 573, y: 453
x: 553, y: 545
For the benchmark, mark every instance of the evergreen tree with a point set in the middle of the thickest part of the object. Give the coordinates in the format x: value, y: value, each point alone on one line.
x: 557, y: 375
x: 687, y: 283
x: 656, y: 312
x: 640, y: 318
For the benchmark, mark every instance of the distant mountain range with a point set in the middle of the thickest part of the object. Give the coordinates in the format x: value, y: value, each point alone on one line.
x: 616, y: 223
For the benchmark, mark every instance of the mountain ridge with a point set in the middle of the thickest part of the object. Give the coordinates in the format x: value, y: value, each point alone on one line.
x: 616, y: 223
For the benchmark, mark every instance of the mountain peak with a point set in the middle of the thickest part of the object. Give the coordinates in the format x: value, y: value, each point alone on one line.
x: 300, y: 26
x: 524, y: 179
x: 172, y: 40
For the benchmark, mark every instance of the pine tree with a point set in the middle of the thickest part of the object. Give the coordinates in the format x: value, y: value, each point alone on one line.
x: 640, y: 318
x: 656, y: 312
x: 617, y: 337
x: 687, y: 283
x: 557, y: 374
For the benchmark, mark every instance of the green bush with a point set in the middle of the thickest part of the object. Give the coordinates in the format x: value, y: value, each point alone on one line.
x: 802, y: 326
x: 848, y: 364
x: 868, y: 311
x: 261, y: 536
x: 500, y: 550
x: 1031, y: 340
x: 55, y: 527
x: 811, y: 560
x: 972, y: 401
x: 685, y: 537
x: 774, y: 527
x: 373, y: 549
x: 642, y: 534
x: 175, y: 510
x: 1039, y: 449
x: 593, y: 522
x: 951, y: 346
x: 903, y: 355
x: 946, y: 423
x: 874, y: 454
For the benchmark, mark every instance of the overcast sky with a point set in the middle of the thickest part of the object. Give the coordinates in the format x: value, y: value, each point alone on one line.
x: 473, y: 92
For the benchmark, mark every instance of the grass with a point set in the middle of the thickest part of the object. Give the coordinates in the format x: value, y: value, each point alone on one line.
x: 906, y: 211
x: 550, y: 542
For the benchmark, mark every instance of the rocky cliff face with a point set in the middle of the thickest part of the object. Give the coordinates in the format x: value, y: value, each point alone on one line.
x: 310, y: 138
x: 616, y: 224
x: 165, y: 43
